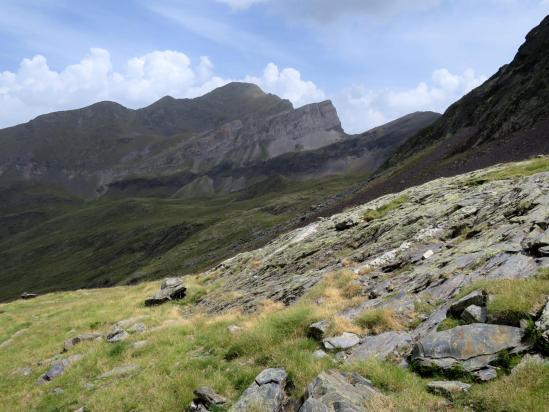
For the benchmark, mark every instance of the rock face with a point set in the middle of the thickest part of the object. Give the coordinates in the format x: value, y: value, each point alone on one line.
x: 119, y: 371
x: 333, y: 391
x: 117, y: 334
x: 265, y: 394
x: 472, y: 347
x: 392, y: 345
x: 171, y: 289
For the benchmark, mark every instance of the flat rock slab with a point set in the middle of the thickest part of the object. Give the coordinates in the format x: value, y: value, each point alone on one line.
x: 472, y: 346
x: 388, y: 344
x: 333, y: 390
x: 267, y: 393
x: 207, y: 397
x: 84, y: 337
x: 119, y: 371
x: 117, y: 335
x: 447, y: 388
x: 344, y: 341
x: 170, y: 289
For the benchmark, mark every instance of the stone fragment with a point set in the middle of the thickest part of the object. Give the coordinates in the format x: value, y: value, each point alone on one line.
x: 28, y: 295
x: 69, y: 343
x: 137, y: 328
x: 345, y: 224
x: 486, y: 374
x: 58, y: 391
x: 333, y: 390
x: 170, y: 289
x: 344, y: 341
x: 116, y: 335
x: 447, y: 388
x: 119, y: 371
x: 233, y: 329
x: 474, y: 314
x: 24, y: 371
x: 266, y: 394
x: 542, y: 324
x: 428, y: 254
x: 318, y: 329
x: 207, y: 397
x: 478, y: 298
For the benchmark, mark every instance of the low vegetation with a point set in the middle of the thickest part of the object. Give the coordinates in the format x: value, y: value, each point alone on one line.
x: 380, y: 212
x: 377, y: 321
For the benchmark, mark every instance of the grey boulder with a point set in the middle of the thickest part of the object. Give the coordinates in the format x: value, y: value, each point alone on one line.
x: 170, y: 289
x: 333, y: 390
x: 267, y: 393
x: 393, y: 345
x: 117, y: 334
x: 473, y: 347
x: 58, y: 368
x: 344, y: 341
x: 477, y: 298
x: 69, y: 343
x: 447, y: 388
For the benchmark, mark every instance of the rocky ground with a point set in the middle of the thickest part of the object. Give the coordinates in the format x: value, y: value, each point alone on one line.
x: 434, y: 298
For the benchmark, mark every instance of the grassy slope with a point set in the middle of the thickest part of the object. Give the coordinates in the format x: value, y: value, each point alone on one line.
x: 105, y: 243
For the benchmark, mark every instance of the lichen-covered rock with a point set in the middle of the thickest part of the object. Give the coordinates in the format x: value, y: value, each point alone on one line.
x: 448, y: 388
x: 472, y: 347
x: 267, y: 393
x: 392, y: 345
x: 170, y: 289
x: 344, y: 341
x: 57, y: 368
x: 486, y: 374
x: 333, y: 391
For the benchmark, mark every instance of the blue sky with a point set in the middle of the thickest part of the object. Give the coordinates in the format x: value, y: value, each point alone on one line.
x: 376, y: 59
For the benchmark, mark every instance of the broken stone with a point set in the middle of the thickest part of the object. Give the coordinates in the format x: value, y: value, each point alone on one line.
x: 116, y: 335
x: 477, y: 298
x: 57, y: 368
x: 542, y: 324
x: 393, y: 345
x: 266, y: 393
x: 119, y: 371
x: 344, y: 341
x: 69, y: 343
x: 207, y: 397
x: 428, y: 254
x: 233, y: 328
x: 28, y: 295
x: 318, y: 329
x: 345, y: 224
x: 474, y: 314
x: 447, y: 388
x: 170, y: 289
x: 319, y: 354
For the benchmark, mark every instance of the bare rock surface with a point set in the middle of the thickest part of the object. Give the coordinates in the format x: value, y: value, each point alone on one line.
x: 392, y: 345
x: 266, y: 393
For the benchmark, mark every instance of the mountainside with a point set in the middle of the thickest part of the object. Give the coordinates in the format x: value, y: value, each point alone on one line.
x: 434, y: 299
x: 504, y: 119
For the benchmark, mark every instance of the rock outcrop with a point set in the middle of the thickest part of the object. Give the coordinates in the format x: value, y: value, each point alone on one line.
x: 267, y: 393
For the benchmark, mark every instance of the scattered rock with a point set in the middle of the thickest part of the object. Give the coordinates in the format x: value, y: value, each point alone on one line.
x: 171, y: 289
x: 69, y: 343
x: 57, y: 368
x: 392, y: 345
x: 333, y: 390
x: 473, y: 347
x: 124, y: 323
x: 116, y: 335
x: 318, y: 329
x: 265, y: 394
x: 345, y: 224
x: 474, y: 314
x: 206, y: 398
x: 140, y: 344
x: 528, y: 358
x: 344, y: 341
x: 319, y: 354
x: 28, y: 295
x: 447, y: 388
x: 137, y: 328
x: 477, y: 298
x: 119, y: 371
x: 486, y: 374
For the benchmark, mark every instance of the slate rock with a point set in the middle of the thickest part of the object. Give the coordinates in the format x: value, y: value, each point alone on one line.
x: 344, y: 341
x: 473, y: 346
x: 233, y: 329
x: 393, y: 345
x: 170, y: 289
x: 116, y: 335
x: 474, y: 314
x: 318, y: 329
x: 333, y: 390
x: 478, y: 298
x: 448, y: 388
x: 345, y: 224
x: 28, y: 295
x: 84, y: 337
x: 266, y: 393
x: 207, y: 397
x: 486, y: 374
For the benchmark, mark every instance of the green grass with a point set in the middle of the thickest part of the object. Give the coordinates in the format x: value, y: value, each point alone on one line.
x: 378, y: 321
x: 513, y: 299
x: 380, y: 212
x: 448, y: 323
x: 513, y: 171
x: 110, y: 242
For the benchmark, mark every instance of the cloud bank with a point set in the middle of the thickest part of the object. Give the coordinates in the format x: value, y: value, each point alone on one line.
x: 35, y: 88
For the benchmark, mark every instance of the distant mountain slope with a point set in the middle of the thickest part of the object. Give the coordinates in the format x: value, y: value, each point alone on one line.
x: 505, y: 119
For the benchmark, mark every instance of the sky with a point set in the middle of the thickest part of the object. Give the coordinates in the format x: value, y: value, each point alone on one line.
x: 375, y: 59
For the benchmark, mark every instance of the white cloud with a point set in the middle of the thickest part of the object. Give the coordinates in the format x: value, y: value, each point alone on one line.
x: 361, y: 108
x: 287, y: 83
x: 37, y: 89
x: 240, y: 4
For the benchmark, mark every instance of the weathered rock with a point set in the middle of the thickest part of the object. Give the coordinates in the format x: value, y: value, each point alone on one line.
x: 542, y: 324
x: 170, y: 289
x: 69, y: 343
x: 477, y: 298
x: 119, y: 371
x: 116, y: 335
x: 28, y: 295
x: 266, y: 393
x: 429, y: 253
x: 333, y: 390
x: 344, y: 341
x: 392, y: 345
x: 345, y: 224
x: 137, y: 328
x: 319, y: 354
x: 207, y: 398
x: 318, y: 329
x: 472, y: 347
x: 486, y: 374
x: 57, y: 368
x: 474, y: 314
x: 447, y: 388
